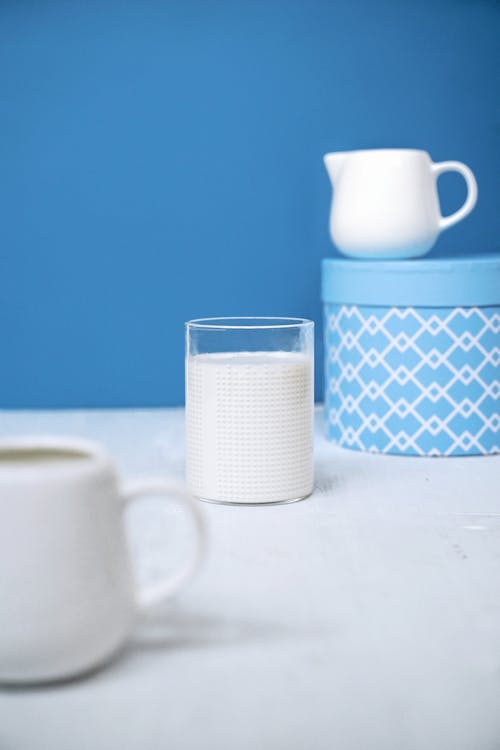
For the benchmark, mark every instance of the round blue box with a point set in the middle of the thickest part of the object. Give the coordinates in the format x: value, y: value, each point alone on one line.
x: 412, y: 352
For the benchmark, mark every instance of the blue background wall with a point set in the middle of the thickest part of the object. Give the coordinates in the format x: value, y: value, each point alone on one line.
x: 162, y: 160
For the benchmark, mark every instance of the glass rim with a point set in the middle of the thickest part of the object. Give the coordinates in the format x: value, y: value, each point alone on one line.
x: 252, y: 323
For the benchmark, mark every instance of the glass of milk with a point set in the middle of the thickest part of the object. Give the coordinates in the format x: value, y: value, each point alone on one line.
x: 249, y: 409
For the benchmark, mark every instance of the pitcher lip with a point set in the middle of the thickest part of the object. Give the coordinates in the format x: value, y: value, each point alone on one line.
x: 377, y: 150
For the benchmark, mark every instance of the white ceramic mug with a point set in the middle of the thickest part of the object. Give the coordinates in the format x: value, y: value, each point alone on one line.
x: 67, y: 599
x: 385, y: 201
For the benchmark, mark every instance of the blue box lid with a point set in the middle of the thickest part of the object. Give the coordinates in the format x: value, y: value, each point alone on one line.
x: 441, y: 282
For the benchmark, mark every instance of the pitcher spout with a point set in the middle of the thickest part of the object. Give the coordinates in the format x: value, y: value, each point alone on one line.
x: 333, y: 164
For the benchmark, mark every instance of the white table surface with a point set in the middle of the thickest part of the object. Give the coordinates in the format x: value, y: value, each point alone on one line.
x: 366, y: 617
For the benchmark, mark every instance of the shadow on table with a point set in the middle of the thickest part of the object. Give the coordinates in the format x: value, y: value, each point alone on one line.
x: 177, y: 628
x: 169, y: 629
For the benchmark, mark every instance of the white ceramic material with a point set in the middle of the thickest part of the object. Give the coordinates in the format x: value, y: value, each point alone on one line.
x: 385, y: 202
x: 67, y: 600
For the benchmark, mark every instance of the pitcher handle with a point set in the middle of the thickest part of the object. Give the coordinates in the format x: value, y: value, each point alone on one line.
x: 470, y: 201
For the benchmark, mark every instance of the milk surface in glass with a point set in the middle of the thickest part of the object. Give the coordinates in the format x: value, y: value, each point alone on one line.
x: 249, y: 426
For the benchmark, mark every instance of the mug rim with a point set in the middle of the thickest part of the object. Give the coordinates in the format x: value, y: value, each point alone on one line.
x: 89, y: 451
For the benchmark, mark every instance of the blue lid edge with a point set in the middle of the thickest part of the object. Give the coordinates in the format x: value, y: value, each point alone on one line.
x: 444, y: 282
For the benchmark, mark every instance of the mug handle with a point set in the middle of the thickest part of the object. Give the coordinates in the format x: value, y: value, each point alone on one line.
x: 156, y: 593
x: 470, y: 201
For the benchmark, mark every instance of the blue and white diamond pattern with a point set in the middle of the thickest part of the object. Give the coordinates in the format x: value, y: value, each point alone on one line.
x: 422, y: 381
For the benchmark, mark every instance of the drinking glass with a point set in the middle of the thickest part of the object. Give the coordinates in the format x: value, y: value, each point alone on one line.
x: 249, y: 409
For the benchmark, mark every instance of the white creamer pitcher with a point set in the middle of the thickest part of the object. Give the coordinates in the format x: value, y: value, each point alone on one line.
x: 385, y: 201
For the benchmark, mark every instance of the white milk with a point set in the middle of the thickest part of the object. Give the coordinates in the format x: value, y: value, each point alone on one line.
x: 249, y: 426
